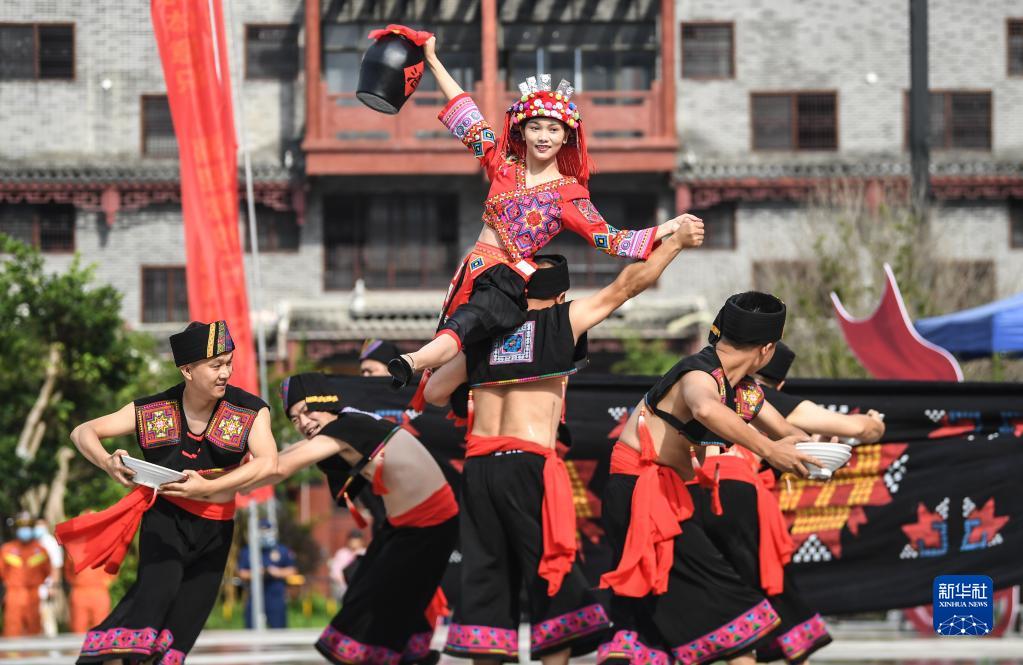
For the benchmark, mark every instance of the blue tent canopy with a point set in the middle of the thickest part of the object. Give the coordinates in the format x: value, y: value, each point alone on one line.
x: 996, y: 327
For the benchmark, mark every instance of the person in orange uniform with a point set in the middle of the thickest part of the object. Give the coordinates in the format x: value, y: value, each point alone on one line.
x: 24, y: 565
x: 90, y: 594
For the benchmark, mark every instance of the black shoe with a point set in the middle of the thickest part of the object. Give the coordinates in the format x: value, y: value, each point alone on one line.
x: 401, y: 372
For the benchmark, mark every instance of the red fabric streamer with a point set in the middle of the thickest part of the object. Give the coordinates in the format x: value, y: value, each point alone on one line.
x: 559, y: 540
x: 194, y: 54
x: 103, y: 538
x: 660, y: 503
x: 887, y: 344
x: 437, y: 508
x: 776, y: 546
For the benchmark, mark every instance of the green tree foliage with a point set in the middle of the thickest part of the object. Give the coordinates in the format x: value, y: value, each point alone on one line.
x: 645, y: 358
x: 843, y: 249
x: 99, y: 367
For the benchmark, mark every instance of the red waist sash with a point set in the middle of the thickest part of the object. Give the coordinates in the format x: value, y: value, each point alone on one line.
x: 776, y: 545
x: 439, y: 507
x: 103, y: 538
x: 660, y: 503
x: 558, y: 512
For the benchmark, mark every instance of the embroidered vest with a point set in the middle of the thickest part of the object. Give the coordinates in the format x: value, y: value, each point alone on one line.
x: 746, y: 399
x: 162, y: 431
x: 365, y: 432
x: 543, y: 347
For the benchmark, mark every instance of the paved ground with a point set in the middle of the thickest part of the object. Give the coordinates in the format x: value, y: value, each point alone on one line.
x: 291, y: 647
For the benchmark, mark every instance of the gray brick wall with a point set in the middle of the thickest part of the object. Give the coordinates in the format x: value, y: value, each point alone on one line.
x: 834, y: 45
x: 77, y: 121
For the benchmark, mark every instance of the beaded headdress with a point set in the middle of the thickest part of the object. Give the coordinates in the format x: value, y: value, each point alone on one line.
x: 538, y: 100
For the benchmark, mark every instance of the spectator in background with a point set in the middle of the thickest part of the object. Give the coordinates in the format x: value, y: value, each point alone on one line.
x: 374, y: 357
x: 90, y: 594
x: 278, y: 566
x: 24, y: 566
x: 342, y: 564
x: 50, y: 591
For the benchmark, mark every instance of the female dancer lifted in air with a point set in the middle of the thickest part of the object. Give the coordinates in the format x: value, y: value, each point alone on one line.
x: 538, y: 174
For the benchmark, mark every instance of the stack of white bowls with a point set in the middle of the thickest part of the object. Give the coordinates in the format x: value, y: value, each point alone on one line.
x: 833, y: 455
x: 149, y: 474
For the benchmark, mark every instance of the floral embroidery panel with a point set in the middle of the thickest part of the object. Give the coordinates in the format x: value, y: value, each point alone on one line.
x: 159, y: 424
x: 531, y: 221
x: 230, y: 426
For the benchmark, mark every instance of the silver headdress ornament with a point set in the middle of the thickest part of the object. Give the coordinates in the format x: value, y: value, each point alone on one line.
x: 542, y: 83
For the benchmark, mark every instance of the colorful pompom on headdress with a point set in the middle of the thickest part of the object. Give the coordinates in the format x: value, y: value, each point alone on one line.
x: 539, y: 101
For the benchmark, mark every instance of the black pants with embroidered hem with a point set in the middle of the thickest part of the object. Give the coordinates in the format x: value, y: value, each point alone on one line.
x: 497, y: 303
x: 708, y: 612
x: 736, y: 533
x: 181, y: 564
x: 502, y: 542
x: 382, y: 618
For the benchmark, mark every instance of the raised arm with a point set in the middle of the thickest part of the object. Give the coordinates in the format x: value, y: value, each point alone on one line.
x: 581, y: 217
x: 445, y: 82
x: 263, y: 448
x: 297, y: 457
x: 868, y: 428
x: 462, y: 117
x: 88, y: 436
x: 770, y: 421
x: 700, y: 393
x: 634, y: 278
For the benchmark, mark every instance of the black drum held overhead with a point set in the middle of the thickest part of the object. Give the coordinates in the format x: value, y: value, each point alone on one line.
x: 391, y: 68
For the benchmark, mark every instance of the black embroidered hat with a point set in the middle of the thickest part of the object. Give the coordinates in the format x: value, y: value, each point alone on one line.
x: 379, y: 350
x: 200, y: 341
x: 313, y: 387
x: 549, y: 282
x: 778, y: 368
x: 749, y: 318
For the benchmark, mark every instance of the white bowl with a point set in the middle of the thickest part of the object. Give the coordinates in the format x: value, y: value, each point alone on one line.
x: 833, y: 455
x: 149, y: 474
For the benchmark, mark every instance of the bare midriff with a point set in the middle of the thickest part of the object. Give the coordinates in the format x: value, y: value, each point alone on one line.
x: 673, y: 448
x: 529, y: 411
x: 410, y: 474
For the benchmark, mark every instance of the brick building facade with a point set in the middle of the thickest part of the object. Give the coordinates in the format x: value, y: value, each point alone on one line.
x: 769, y: 101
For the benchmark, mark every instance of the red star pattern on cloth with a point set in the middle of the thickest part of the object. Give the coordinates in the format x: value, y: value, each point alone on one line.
x: 922, y: 529
x: 990, y: 524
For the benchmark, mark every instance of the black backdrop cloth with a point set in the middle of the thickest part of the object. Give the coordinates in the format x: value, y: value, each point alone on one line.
x: 941, y: 494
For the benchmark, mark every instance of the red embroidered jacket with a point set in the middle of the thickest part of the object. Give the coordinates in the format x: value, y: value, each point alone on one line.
x: 527, y: 218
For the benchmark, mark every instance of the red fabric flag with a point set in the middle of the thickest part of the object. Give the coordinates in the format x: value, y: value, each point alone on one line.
x: 887, y: 344
x: 193, y: 49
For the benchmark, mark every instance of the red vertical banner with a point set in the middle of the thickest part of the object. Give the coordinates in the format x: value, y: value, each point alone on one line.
x: 193, y: 50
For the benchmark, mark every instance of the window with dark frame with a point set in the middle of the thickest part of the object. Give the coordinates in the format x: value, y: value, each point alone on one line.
x: 794, y: 121
x: 719, y: 224
x: 271, y: 51
x: 959, y: 120
x: 591, y: 267
x: 276, y: 230
x: 1015, y: 46
x: 708, y: 50
x: 599, y: 56
x: 158, y: 138
x: 36, y: 51
x: 391, y: 241
x: 164, y: 294
x: 1016, y: 223
x: 47, y: 227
